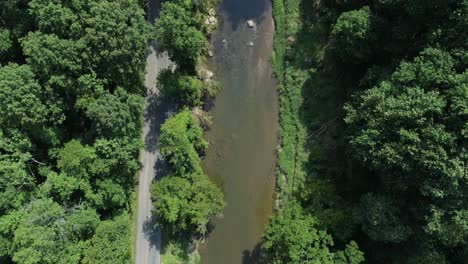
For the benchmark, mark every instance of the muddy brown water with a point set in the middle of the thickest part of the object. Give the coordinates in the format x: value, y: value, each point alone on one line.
x: 241, y: 157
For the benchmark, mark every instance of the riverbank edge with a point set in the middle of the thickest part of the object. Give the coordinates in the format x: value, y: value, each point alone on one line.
x: 172, y: 255
x: 291, y: 153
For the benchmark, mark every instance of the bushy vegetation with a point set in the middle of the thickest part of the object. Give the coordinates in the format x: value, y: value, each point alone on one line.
x: 71, y: 85
x: 373, y: 101
x: 185, y: 87
x: 184, y: 200
x: 180, y: 30
x: 292, y: 237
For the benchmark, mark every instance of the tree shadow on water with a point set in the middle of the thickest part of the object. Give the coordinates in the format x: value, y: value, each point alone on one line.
x: 238, y: 11
x: 253, y: 256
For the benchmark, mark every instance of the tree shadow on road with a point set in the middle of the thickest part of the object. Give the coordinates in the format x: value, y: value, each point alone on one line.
x: 151, y: 232
x: 158, y: 109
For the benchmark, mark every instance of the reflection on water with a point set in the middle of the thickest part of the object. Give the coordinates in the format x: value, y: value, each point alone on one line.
x: 241, y: 157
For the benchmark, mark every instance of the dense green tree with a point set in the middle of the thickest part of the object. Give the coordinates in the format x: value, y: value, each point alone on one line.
x: 20, y: 95
x: 186, y: 204
x: 408, y: 124
x: 411, y: 130
x: 408, y: 25
x: 77, y: 160
x: 177, y: 33
x: 181, y: 141
x: 402, y: 174
x: 63, y: 187
x: 186, y: 88
x: 16, y: 181
x: 8, y: 224
x: 105, y: 37
x: 117, y: 36
x: 71, y: 82
x: 292, y: 236
x: 383, y: 221
x: 50, y: 55
x: 120, y: 156
x: 15, y: 23
x: 110, y: 243
x: 117, y: 115
x: 47, y: 234
x: 54, y: 17
x: 353, y: 35
x: 5, y: 43
x: 88, y: 168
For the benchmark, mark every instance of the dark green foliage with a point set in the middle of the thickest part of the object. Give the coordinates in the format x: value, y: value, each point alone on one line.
x: 110, y: 243
x: 93, y: 36
x: 71, y: 80
x: 117, y: 114
x: 409, y: 120
x: 14, y: 160
x: 186, y: 205
x: 177, y: 32
x: 181, y: 142
x: 383, y: 221
x: 353, y: 35
x: 388, y: 171
x: 292, y: 237
x: 21, y: 95
x: 5, y: 43
x: 184, y: 200
x: 186, y: 88
x: 409, y: 129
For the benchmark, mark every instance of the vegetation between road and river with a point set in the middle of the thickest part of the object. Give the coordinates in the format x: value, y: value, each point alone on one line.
x: 373, y: 116
x: 372, y: 165
x: 185, y: 199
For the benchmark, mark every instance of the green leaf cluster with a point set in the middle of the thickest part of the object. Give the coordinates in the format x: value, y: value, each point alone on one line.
x: 178, y: 33
x: 373, y: 101
x: 292, y: 236
x: 186, y: 199
x: 71, y: 105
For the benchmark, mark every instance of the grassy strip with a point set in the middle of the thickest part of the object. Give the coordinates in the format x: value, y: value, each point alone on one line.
x: 312, y: 164
x: 292, y: 154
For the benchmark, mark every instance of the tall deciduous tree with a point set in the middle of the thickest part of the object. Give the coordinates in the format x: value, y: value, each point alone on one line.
x: 186, y: 88
x: 292, y: 236
x: 110, y: 243
x: 186, y: 204
x: 181, y: 141
x: 117, y: 115
x: 411, y: 129
x: 353, y: 35
x: 177, y: 33
x: 47, y: 234
x: 20, y: 96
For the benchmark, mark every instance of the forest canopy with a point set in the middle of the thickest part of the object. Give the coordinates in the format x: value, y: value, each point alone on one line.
x: 374, y: 119
x: 71, y: 86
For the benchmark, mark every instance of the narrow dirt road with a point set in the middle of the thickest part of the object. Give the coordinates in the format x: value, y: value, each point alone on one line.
x: 148, y: 241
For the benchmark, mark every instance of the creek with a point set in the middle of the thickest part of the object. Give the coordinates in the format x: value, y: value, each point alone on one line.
x: 243, y: 137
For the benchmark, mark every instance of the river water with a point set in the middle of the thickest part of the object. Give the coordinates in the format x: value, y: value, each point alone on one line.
x: 241, y: 157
